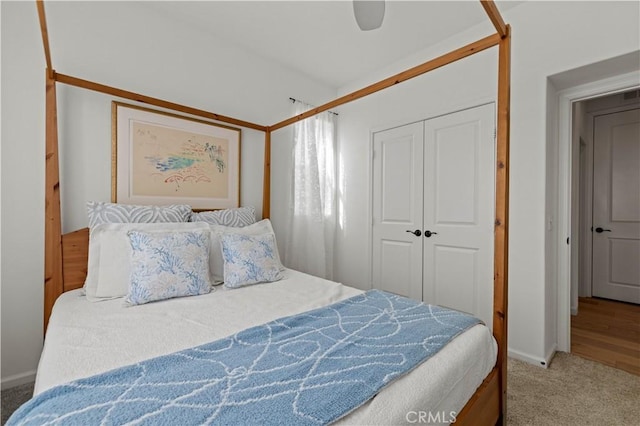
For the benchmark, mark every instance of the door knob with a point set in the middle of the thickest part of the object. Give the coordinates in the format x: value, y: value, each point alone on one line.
x: 599, y: 230
x: 429, y: 233
x: 417, y: 232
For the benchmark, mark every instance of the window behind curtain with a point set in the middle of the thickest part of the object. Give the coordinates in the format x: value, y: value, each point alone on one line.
x: 312, y: 212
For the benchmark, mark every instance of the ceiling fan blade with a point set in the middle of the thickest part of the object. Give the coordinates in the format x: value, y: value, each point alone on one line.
x: 369, y: 13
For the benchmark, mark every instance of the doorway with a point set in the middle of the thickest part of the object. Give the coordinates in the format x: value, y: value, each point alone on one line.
x: 606, y: 198
x: 606, y: 224
x: 563, y: 243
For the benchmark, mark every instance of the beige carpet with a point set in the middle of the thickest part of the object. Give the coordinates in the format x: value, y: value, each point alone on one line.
x: 572, y: 391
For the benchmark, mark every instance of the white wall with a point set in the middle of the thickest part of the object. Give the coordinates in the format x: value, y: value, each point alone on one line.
x: 576, y: 189
x: 22, y: 191
x: 167, y: 60
x: 548, y: 37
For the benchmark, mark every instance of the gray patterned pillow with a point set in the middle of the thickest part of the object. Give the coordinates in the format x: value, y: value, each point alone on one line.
x: 238, y: 217
x: 100, y: 212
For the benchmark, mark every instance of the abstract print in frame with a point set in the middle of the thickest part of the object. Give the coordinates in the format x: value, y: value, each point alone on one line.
x: 162, y: 158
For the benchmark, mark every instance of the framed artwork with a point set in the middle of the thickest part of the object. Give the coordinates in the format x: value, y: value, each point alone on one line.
x: 162, y: 158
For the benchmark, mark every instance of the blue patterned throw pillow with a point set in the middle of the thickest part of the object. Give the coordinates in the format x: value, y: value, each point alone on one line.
x: 168, y: 264
x: 249, y: 259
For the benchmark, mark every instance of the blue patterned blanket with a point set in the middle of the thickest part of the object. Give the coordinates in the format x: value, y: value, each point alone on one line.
x: 306, y: 369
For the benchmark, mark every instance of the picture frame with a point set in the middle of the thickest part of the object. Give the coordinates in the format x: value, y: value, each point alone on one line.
x: 161, y: 158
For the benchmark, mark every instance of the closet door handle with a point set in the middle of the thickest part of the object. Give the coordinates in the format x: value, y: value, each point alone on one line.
x: 417, y: 232
x: 599, y: 230
x: 429, y: 233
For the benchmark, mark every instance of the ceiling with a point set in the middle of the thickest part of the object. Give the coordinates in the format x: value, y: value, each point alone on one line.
x: 321, y: 38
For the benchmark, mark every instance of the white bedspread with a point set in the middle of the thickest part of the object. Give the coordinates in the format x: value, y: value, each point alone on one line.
x: 85, y: 338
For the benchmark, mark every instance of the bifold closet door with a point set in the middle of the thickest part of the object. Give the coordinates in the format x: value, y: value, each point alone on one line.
x: 459, y: 180
x: 397, y: 210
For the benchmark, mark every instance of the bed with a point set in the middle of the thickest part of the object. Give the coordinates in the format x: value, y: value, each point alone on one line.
x: 98, y: 329
x: 87, y: 338
x: 481, y: 402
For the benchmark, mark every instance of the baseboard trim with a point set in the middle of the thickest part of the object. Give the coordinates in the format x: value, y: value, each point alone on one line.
x: 550, y: 355
x: 17, y: 380
x: 521, y: 356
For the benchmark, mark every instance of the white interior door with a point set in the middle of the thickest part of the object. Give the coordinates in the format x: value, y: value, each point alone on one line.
x: 397, y: 210
x: 616, y: 206
x: 459, y: 181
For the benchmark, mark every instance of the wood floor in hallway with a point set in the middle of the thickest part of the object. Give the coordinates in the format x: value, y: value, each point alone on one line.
x: 608, y: 332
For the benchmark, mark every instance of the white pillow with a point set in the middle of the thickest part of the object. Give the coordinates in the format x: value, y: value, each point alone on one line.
x: 216, y: 261
x: 169, y: 264
x: 249, y: 259
x: 110, y: 256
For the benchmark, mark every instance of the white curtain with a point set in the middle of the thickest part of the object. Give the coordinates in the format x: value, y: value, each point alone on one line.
x: 312, y: 212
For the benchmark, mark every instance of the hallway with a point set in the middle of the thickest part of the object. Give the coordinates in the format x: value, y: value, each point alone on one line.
x: 608, y: 332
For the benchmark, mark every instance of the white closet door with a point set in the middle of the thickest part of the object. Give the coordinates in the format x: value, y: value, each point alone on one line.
x: 616, y: 207
x: 459, y: 206
x: 397, y: 208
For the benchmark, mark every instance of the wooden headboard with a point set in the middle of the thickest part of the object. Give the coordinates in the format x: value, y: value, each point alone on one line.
x: 75, y: 257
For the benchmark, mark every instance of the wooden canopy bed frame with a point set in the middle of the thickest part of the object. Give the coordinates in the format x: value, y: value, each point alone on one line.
x: 66, y: 255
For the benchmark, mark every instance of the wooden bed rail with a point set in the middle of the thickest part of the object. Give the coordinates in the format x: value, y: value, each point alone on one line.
x: 45, y: 36
x: 483, y: 407
x: 453, y: 56
x: 108, y: 90
x: 495, y: 18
